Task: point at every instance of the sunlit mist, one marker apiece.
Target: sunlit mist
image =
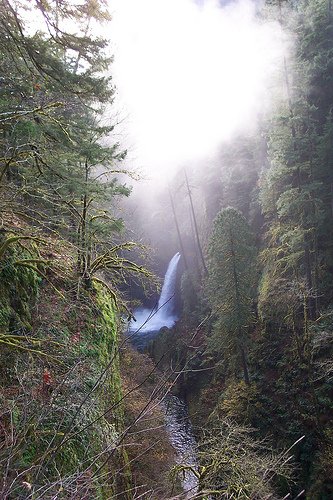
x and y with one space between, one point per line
189 74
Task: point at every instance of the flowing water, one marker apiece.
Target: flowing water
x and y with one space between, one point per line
177 421
149 322
180 430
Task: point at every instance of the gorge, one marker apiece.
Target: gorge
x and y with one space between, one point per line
176 417
231 107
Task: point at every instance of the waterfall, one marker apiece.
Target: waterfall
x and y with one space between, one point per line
166 301
152 321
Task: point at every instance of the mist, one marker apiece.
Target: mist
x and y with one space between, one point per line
191 78
189 75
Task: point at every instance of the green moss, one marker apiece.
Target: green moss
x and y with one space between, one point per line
82 334
4 312
104 336
19 288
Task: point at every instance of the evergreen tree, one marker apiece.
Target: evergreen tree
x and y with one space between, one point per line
295 192
232 271
58 163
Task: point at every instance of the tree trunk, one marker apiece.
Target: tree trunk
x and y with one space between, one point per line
178 230
196 227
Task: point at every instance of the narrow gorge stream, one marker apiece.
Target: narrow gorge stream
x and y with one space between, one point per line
177 421
181 434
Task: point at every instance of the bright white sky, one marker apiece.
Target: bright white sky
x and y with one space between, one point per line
189 74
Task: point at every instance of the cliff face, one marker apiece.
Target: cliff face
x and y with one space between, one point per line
80 415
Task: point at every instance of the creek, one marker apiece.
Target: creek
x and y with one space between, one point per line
181 435
177 421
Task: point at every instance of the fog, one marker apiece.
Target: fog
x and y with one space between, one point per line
188 76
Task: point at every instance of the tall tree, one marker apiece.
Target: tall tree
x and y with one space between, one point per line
232 271
58 161
296 192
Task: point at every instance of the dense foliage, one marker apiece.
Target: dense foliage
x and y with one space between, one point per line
62 427
252 353
264 208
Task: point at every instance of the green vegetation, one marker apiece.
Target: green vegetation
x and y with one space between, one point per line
63 258
255 338
252 352
54 431
231 282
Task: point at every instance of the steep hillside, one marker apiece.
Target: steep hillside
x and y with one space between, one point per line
78 418
60 381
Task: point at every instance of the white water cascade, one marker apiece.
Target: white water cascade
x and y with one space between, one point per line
148 320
